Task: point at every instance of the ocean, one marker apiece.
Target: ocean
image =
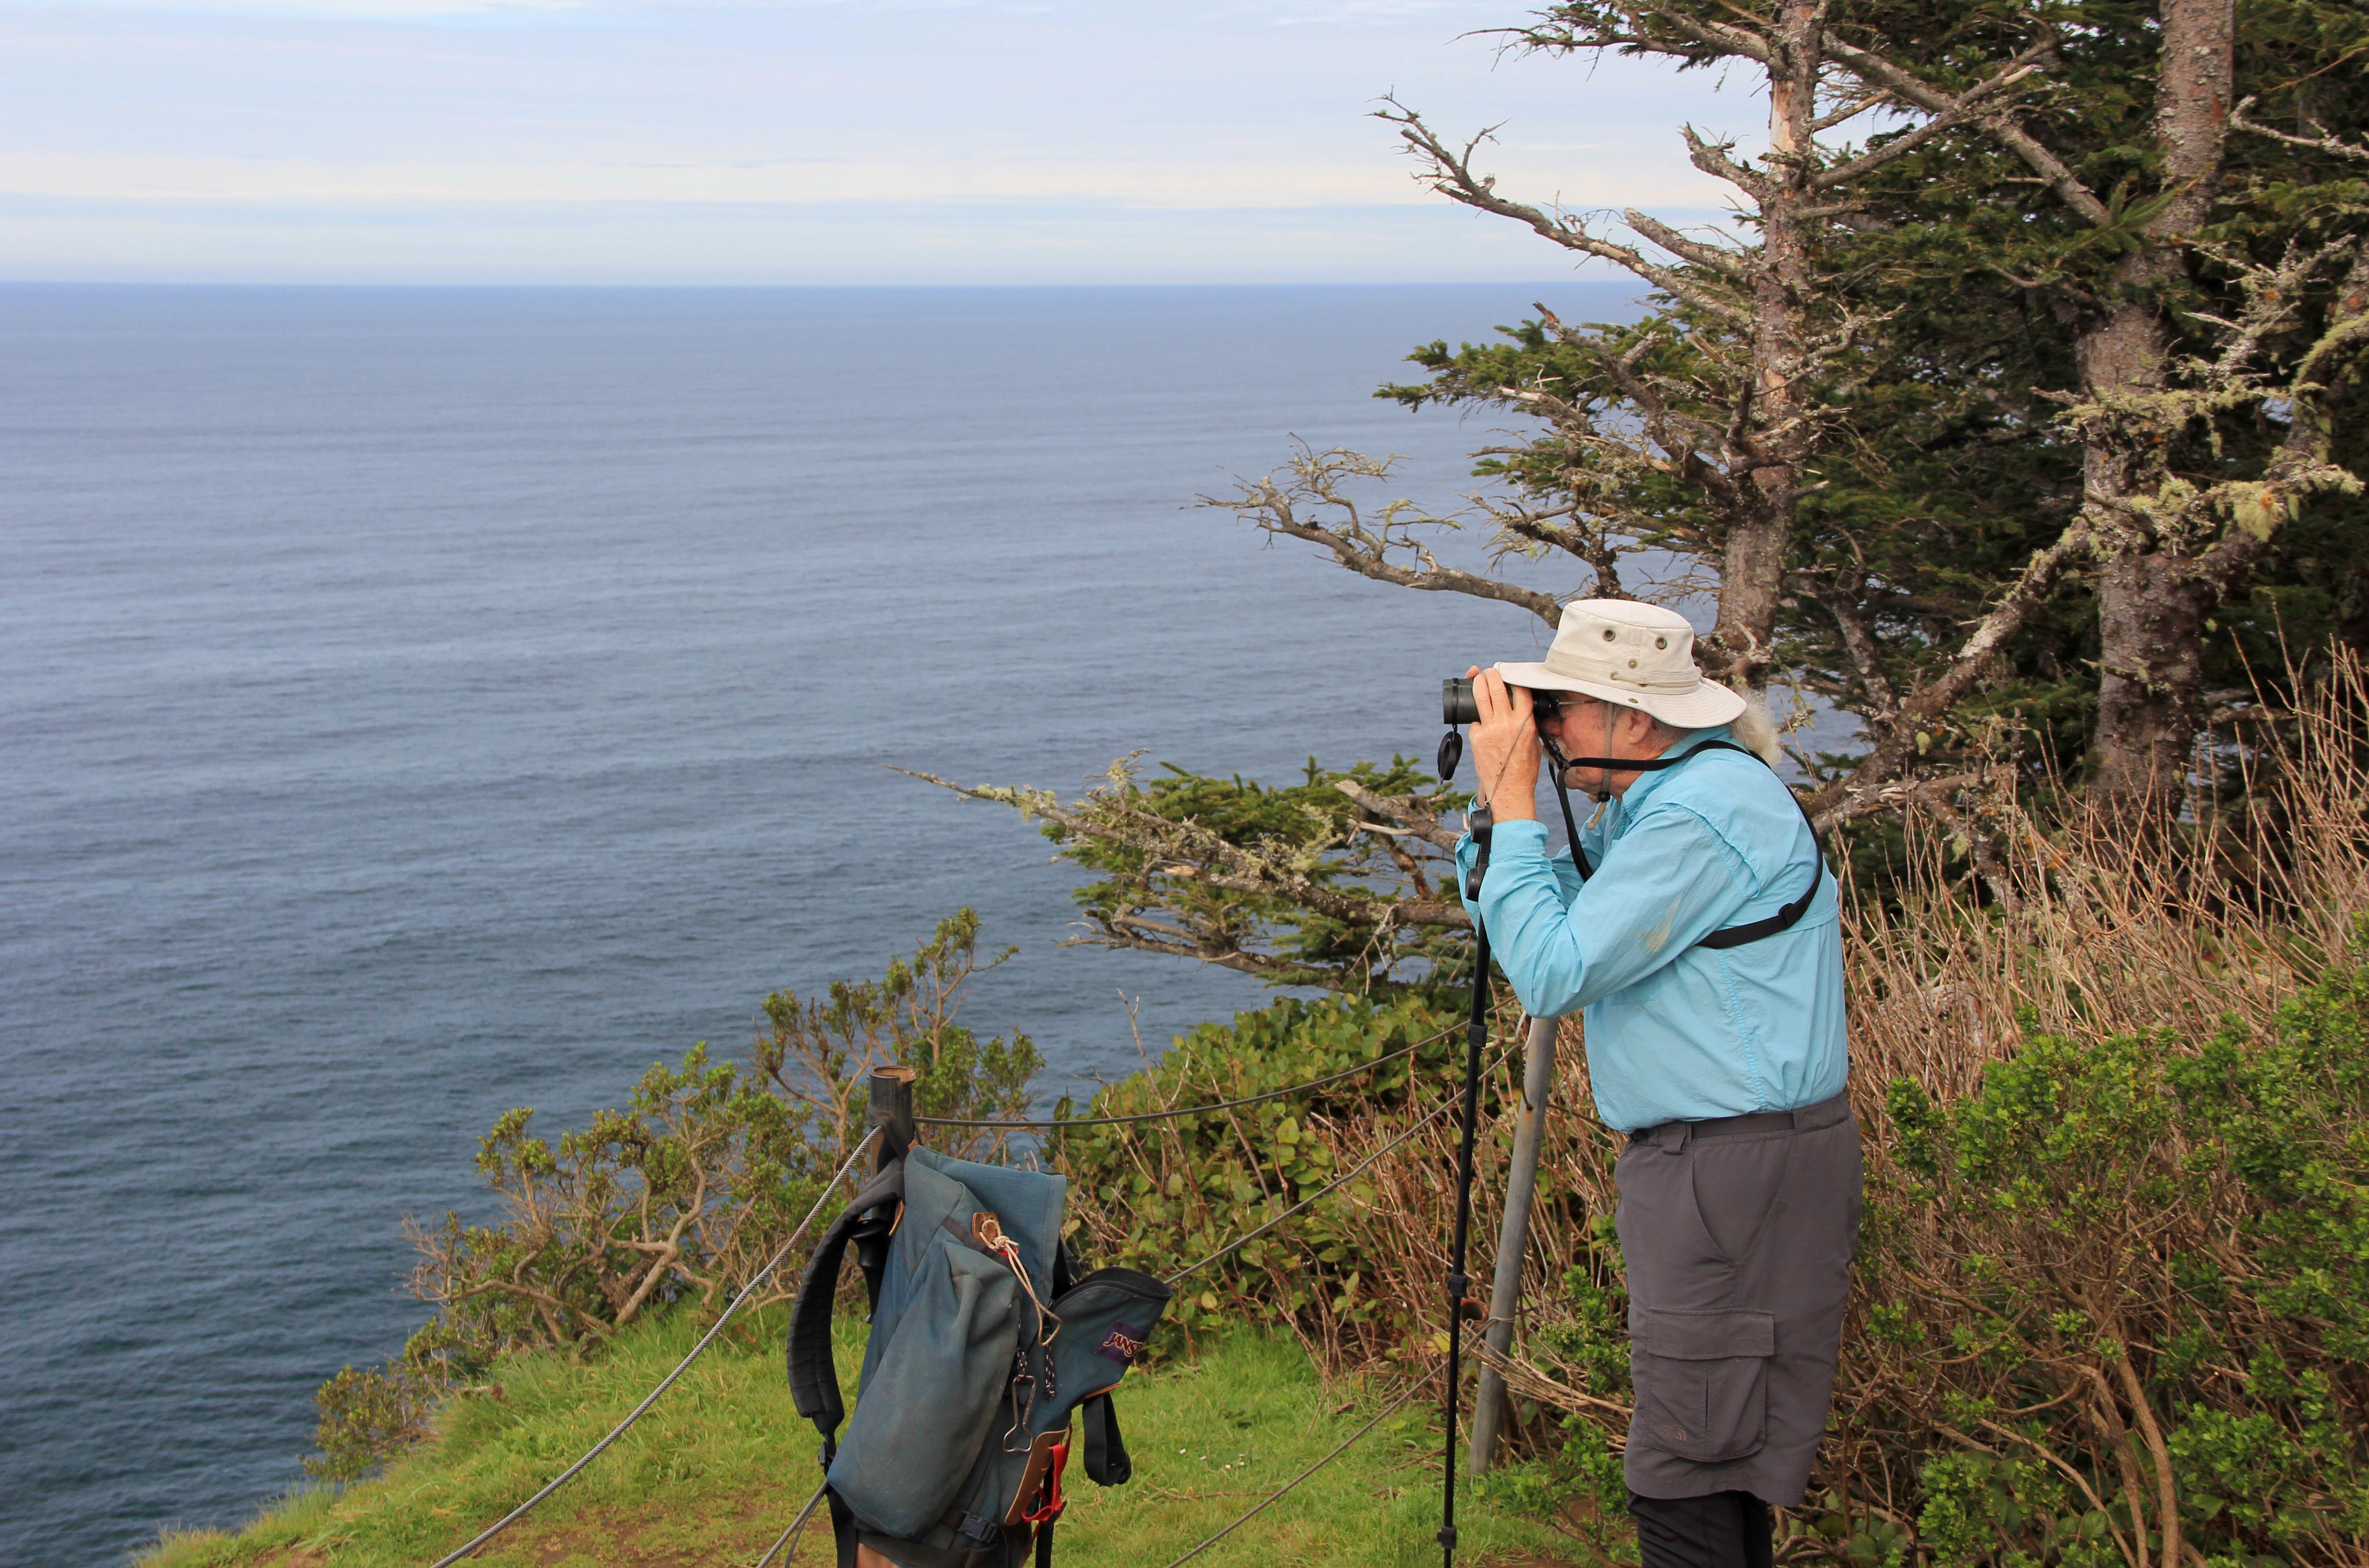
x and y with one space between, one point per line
419 703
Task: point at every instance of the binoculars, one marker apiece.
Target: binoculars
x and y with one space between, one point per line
1455 707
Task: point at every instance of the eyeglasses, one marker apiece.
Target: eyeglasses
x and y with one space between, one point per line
1545 707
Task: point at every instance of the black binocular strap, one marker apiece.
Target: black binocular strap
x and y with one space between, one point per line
1729 936
867 1221
1571 829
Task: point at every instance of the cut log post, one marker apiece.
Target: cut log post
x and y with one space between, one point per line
892 1112
1513 1239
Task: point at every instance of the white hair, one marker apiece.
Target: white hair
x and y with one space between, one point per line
1753 732
1752 729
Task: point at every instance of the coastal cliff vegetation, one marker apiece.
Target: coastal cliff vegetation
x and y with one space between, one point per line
2113 1287
2112 1300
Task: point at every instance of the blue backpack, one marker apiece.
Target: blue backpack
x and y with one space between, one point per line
985 1342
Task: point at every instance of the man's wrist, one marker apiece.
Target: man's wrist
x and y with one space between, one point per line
1516 810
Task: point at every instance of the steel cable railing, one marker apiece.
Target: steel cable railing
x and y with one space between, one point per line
1339 1448
789 1537
1239 1243
564 1477
1194 1110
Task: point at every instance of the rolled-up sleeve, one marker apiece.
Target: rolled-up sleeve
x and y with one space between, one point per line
1662 886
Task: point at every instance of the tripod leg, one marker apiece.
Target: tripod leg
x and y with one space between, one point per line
1513 1240
1459 1284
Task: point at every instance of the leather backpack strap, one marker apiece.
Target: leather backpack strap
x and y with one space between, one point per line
814 1381
1106 1460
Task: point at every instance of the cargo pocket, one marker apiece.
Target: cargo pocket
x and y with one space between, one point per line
1702 1381
923 1418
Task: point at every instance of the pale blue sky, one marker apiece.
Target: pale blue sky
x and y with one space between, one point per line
801 141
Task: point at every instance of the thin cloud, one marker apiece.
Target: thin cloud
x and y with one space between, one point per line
1128 119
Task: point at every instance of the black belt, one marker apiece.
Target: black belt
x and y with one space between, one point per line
1722 1127
1758 1121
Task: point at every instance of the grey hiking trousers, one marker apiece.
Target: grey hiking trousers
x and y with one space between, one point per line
1737 1235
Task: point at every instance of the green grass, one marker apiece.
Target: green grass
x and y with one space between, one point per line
713 1474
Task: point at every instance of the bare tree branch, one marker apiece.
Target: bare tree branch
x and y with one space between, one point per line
1965 107
1860 647
1404 810
2324 141
1896 744
1724 261
2068 186
1450 174
1367 548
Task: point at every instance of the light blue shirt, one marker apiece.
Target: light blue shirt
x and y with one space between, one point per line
1678 1031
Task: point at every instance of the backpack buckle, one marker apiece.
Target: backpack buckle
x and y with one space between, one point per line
1049 1501
1039 1499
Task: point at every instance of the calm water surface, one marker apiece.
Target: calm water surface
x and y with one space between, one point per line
418 704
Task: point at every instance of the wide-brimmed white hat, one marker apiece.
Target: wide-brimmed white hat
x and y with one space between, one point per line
1640 655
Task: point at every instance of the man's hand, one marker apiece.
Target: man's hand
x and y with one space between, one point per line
1505 748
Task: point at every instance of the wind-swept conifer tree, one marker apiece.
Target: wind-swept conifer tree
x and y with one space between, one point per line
2016 400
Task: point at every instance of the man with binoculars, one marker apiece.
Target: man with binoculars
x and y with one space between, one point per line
1696 931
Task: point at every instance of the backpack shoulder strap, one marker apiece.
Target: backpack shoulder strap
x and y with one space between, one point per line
867 1220
1106 1460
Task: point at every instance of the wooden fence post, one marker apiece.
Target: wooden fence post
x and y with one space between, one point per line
891 1110
1513 1239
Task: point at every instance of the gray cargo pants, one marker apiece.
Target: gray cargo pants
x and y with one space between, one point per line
1736 1236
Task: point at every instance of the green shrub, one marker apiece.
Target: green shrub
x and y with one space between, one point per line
367 1417
2128 1280
682 1196
1156 1196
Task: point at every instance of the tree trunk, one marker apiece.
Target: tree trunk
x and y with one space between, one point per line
2151 612
1778 441
2151 604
